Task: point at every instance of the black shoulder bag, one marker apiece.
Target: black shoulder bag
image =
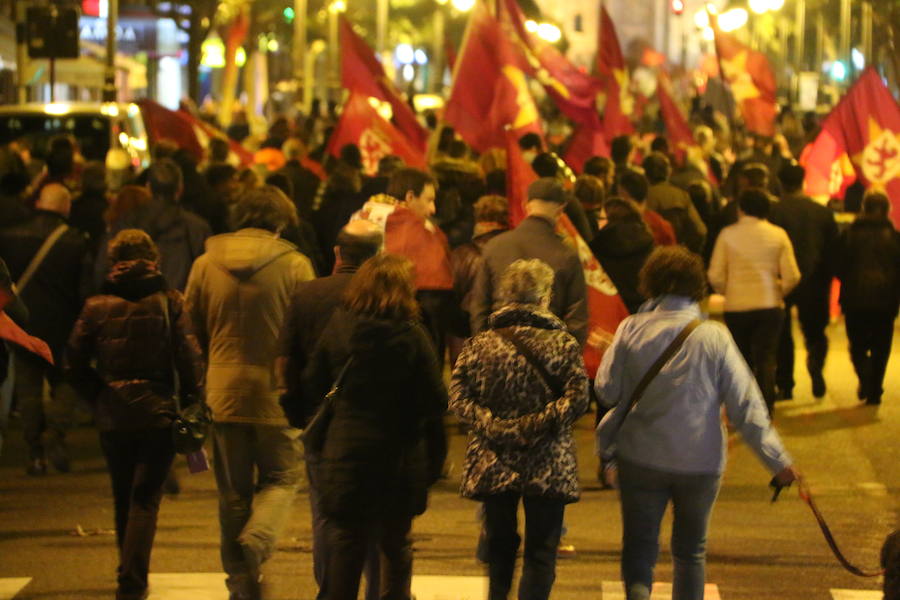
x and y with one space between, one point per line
314 433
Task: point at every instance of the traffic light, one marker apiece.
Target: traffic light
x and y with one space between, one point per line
677 6
288 14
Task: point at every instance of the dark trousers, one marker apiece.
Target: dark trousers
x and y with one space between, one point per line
138 464
870 334
543 527
813 318
320 549
756 334
437 313
349 543
43 419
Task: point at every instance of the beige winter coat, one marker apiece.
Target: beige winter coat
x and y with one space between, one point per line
238 294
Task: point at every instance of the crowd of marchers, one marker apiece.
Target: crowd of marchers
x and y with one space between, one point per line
299 289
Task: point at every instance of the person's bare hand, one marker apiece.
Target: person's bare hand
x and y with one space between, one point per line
787 475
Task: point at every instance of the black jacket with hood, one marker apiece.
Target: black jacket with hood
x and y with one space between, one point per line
622 249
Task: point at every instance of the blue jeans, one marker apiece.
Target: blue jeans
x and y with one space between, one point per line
644 495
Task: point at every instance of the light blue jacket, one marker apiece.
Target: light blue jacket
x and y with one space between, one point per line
676 426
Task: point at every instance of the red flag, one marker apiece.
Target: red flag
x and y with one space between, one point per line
573 90
860 139
187 131
751 80
361 124
519 175
587 141
614 76
677 129
605 307
361 72
489 91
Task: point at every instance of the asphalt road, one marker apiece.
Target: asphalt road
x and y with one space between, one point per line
757 550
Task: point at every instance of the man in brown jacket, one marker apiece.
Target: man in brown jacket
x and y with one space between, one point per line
238 294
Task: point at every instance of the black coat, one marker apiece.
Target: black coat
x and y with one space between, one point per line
813 232
384 446
868 265
311 308
179 234
622 249
56 291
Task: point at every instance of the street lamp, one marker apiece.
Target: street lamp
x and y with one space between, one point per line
463 5
334 67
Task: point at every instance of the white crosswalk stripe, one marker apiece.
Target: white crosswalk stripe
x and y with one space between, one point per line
211 586
440 587
615 590
856 595
10 586
187 586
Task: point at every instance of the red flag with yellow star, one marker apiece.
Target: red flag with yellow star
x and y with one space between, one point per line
860 139
572 89
751 80
361 72
614 76
490 92
361 124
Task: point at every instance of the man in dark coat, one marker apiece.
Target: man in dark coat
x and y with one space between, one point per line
813 233
304 182
673 203
535 237
179 234
868 265
309 313
53 295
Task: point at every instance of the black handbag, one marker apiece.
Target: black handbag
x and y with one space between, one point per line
314 433
191 425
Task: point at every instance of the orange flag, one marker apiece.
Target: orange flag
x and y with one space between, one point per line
860 139
361 72
361 124
605 307
614 76
490 92
751 80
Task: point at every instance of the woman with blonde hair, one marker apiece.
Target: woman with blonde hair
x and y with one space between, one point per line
384 445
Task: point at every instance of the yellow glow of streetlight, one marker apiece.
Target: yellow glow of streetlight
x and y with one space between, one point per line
708 34
338 6
776 4
733 19
701 18
759 6
441 2
463 5
549 32
531 26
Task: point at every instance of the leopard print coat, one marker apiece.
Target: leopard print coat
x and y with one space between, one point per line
520 436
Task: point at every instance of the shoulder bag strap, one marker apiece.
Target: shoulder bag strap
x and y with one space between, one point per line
550 381
656 367
38 258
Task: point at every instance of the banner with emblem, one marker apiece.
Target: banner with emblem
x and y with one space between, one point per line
860 139
376 138
605 307
751 81
490 91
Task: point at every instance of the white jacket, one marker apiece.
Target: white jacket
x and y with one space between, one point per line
753 265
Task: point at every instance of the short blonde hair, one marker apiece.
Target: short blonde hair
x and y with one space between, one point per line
526 281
